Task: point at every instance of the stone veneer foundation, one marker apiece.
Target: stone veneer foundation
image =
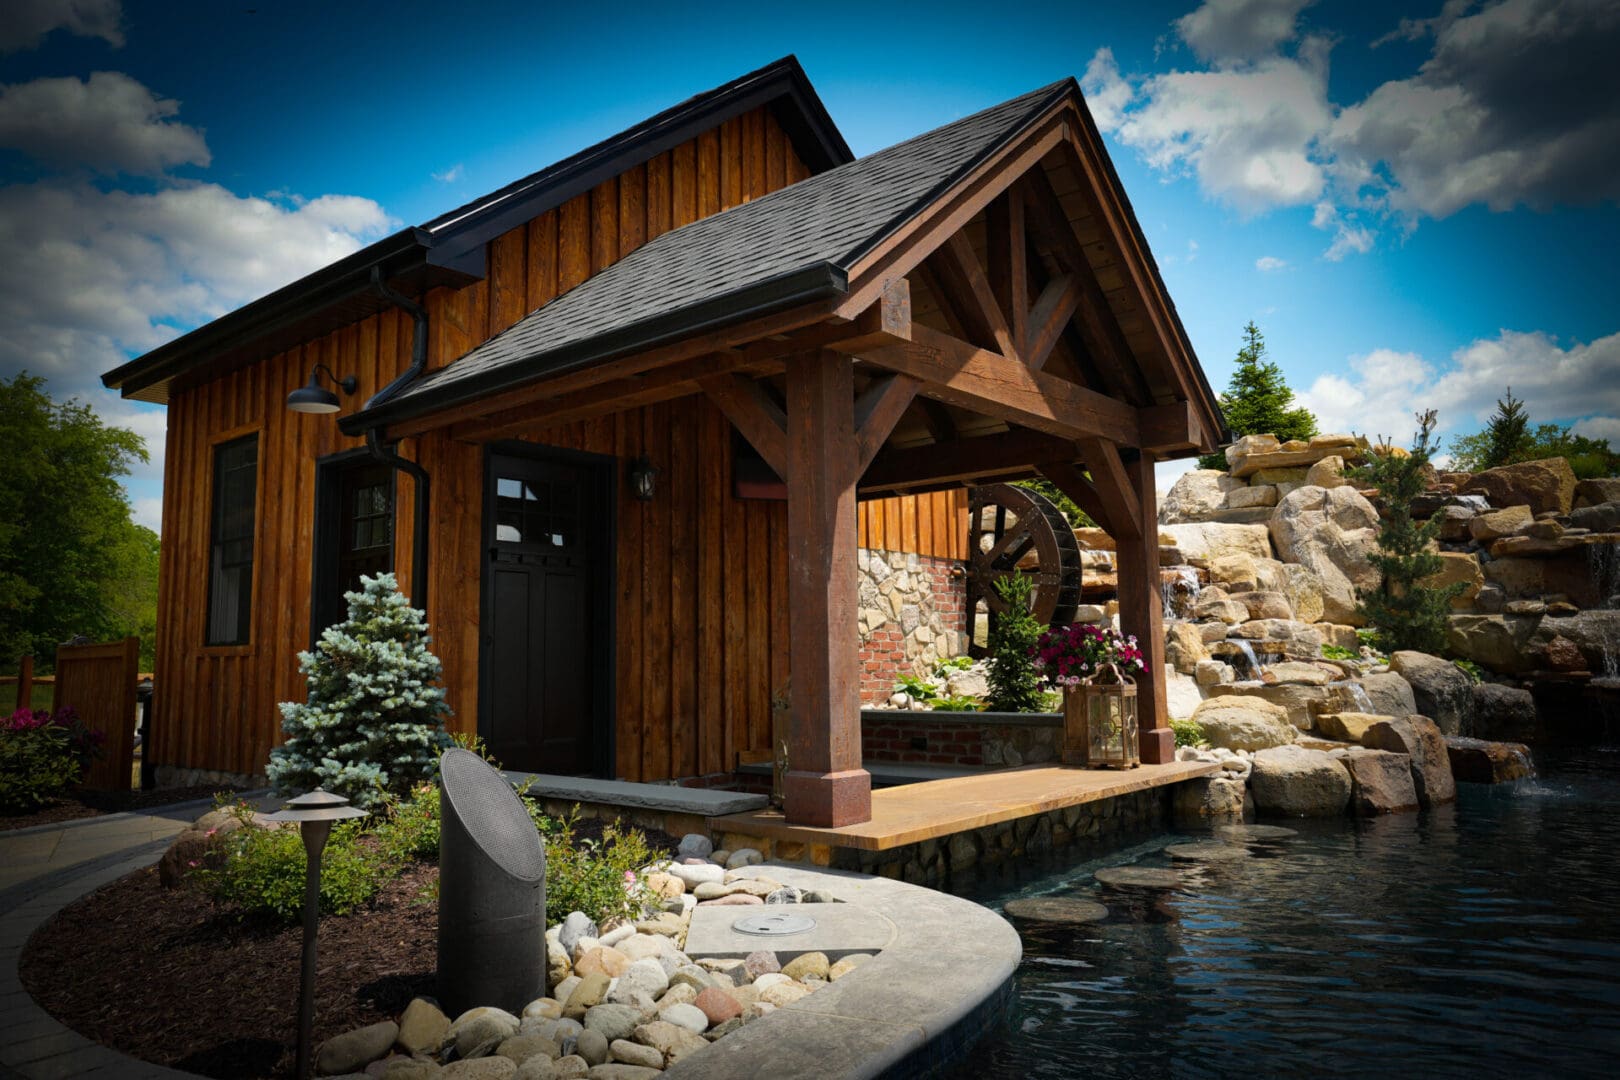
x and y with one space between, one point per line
1088 829
913 612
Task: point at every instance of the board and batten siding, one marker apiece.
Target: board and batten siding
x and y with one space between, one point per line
701 576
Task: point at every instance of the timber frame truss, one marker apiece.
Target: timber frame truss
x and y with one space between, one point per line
1015 327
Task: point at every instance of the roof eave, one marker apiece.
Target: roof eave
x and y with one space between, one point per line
816 282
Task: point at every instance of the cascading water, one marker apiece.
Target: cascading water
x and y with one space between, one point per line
1604 561
1178 588
1247 652
1354 693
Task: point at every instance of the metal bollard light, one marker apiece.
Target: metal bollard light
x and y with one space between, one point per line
314 811
492 890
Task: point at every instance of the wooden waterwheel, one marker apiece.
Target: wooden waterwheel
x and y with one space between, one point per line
1008 525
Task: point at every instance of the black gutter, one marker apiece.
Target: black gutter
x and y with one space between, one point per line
819 281
389 456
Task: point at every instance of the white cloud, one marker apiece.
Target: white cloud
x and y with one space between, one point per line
148 511
1600 427
1269 263
1237 30
1514 106
109 123
1384 388
28 21
93 276
450 175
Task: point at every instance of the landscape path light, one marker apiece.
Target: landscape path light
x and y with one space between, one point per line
314 812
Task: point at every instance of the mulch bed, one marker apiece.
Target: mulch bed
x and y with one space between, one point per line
162 975
85 804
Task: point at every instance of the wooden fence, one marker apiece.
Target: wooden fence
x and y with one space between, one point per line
99 683
932 524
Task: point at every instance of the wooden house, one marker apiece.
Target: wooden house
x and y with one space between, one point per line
611 424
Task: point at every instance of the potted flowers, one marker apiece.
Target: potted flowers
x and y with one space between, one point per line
1095 668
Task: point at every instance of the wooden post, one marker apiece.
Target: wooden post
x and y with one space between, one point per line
825 784
25 683
1141 609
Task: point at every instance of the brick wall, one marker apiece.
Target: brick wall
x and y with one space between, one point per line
910 737
912 613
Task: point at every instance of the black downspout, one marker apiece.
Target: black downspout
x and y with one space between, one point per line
388 455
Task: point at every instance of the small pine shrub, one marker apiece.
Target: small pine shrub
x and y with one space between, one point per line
1406 613
262 873
1014 684
373 723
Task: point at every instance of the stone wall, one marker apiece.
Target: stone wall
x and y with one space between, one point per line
1088 830
912 613
172 776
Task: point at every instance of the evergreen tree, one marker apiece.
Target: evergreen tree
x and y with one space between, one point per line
1405 613
1507 433
373 723
1014 684
1257 400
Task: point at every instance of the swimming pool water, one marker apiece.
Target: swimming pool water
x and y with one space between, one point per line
1478 940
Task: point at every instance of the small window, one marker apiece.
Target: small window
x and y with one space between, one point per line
230 567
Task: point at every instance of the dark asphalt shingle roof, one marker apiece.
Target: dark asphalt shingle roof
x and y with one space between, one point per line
824 223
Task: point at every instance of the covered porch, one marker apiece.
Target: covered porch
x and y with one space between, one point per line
975 305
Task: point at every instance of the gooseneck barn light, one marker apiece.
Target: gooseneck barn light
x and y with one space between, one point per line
315 398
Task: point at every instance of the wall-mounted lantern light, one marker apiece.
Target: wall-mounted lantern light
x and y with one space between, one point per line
643 479
314 398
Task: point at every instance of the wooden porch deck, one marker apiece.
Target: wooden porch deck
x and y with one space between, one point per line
912 813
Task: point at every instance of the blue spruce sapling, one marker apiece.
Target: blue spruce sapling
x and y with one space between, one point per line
374 720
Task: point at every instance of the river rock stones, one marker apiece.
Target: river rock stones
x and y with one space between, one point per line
422 1027
1244 723
1295 782
354 1050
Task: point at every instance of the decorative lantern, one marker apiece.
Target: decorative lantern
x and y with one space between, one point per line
1099 722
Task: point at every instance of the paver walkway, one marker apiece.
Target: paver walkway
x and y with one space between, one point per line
42 870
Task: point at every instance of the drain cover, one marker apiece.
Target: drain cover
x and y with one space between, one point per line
774 925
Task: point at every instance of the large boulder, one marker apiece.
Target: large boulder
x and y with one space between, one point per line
1595 633
1252 454
1244 723
1597 491
1303 587
1420 740
1183 647
1300 703
1390 694
1458 568
1476 761
1547 484
1495 524
1290 635
1210 540
1498 642
1441 690
1503 712
1602 518
1330 531
1296 782
1380 782
1196 494
1347 726
1203 798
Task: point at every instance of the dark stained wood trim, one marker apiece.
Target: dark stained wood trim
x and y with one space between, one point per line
877 410
1070 480
1113 486
755 413
1048 317
1006 252
1141 613
963 460
975 298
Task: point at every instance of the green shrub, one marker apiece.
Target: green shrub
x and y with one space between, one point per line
1188 733
1014 684
262 872
958 703
952 663
41 756
410 828
1339 652
599 877
1471 669
917 687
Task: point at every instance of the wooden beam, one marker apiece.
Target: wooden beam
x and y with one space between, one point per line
958 270
937 418
825 784
1113 486
877 410
1071 480
754 413
963 460
1171 431
663 384
1141 613
1047 319
955 372
543 388
1008 258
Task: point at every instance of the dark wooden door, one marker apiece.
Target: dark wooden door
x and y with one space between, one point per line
544 706
354 532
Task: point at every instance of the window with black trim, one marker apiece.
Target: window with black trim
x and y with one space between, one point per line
230 559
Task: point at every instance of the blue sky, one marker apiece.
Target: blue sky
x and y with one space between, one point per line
1416 202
